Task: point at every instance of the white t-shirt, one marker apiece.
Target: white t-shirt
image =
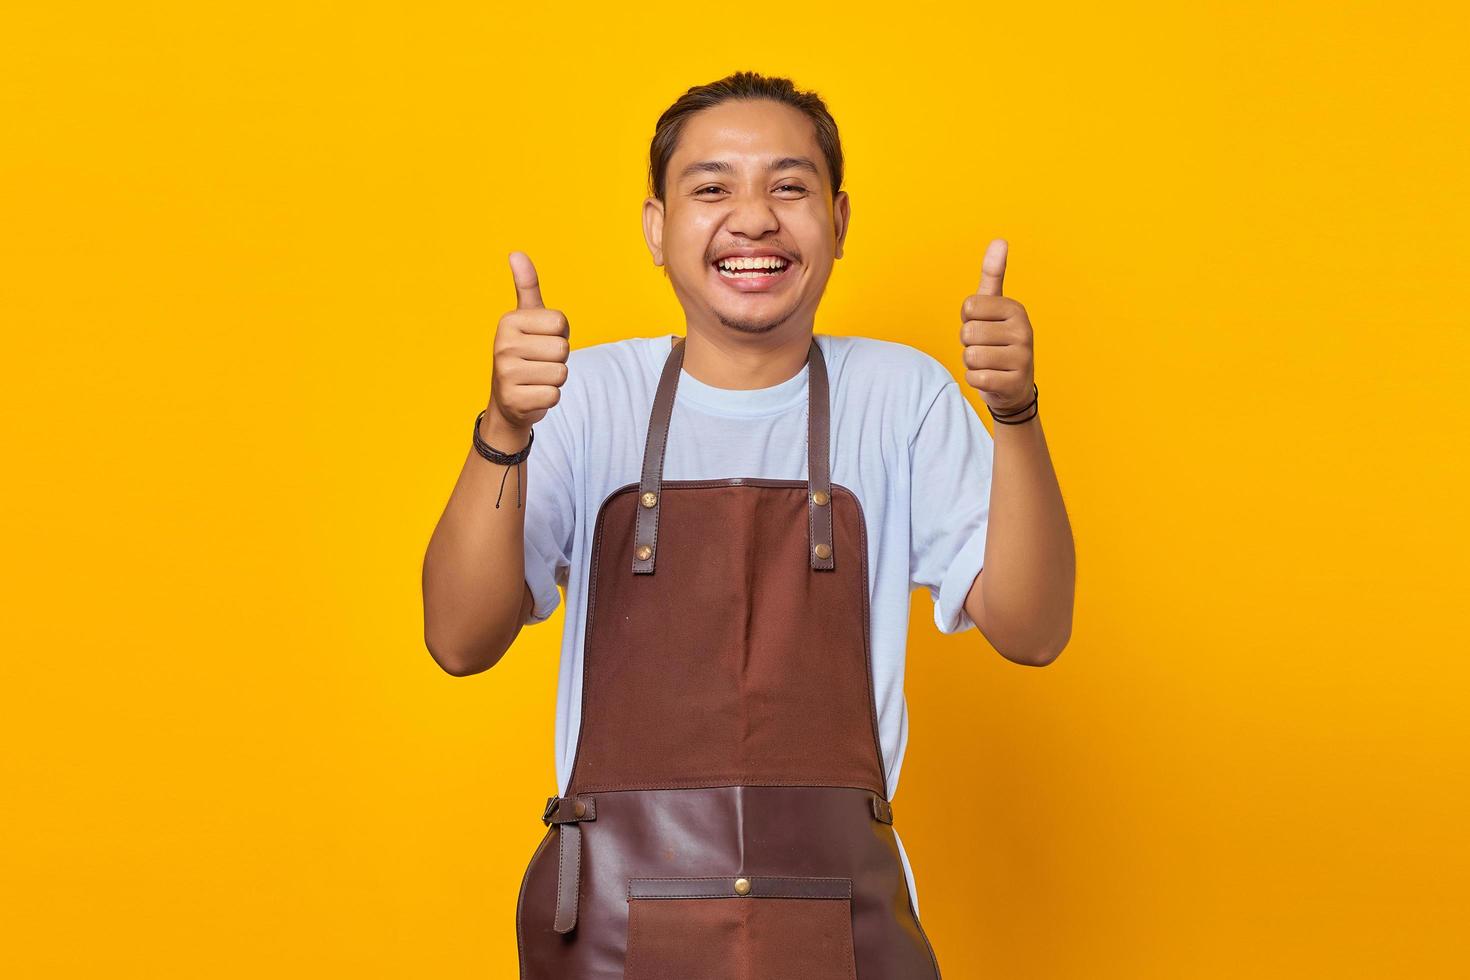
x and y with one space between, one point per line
903 438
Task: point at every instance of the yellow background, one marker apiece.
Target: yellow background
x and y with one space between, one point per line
252 257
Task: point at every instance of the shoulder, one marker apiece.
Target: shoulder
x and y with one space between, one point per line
601 378
895 371
600 373
609 359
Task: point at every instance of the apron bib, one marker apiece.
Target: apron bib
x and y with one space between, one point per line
726 817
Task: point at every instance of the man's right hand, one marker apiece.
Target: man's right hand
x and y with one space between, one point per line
531 348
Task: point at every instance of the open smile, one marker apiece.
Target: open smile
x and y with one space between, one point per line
755 273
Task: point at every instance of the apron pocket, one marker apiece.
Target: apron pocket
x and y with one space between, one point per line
718 928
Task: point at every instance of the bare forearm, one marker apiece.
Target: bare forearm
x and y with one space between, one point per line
1024 595
475 594
474 569
1022 598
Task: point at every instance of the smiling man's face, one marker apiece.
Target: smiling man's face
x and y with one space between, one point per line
748 186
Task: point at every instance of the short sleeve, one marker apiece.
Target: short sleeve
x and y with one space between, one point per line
951 459
550 510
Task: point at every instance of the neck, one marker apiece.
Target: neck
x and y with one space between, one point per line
725 359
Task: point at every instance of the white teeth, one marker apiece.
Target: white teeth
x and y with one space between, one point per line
737 263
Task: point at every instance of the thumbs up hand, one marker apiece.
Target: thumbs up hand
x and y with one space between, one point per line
531 348
997 337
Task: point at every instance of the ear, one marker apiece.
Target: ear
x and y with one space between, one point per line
841 215
653 228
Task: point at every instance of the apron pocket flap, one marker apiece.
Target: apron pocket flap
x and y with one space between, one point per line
731 926
728 886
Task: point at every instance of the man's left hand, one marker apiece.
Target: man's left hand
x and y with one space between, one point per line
996 334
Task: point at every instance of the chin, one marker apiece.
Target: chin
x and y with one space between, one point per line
746 321
749 326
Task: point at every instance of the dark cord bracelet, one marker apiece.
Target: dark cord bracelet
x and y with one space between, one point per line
503 459
1009 418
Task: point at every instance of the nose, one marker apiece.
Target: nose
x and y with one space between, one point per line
751 216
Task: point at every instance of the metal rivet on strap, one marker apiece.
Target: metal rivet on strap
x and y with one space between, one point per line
580 808
649 499
644 553
823 550
820 498
742 886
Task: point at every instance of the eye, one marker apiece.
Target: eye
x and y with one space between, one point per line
713 188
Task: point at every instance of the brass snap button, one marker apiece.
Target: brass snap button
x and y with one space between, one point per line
580 808
644 553
742 886
649 499
820 498
823 551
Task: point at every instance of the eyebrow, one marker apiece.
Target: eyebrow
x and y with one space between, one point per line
722 167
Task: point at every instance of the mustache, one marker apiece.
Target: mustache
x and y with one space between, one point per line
711 254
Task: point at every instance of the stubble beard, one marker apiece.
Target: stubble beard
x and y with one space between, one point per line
753 326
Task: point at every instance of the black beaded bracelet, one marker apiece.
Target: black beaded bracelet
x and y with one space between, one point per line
503 459
1009 418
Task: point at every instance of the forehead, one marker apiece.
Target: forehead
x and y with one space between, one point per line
747 134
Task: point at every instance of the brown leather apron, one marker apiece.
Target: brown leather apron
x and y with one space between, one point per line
726 817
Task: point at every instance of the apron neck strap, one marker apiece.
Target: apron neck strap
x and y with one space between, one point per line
818 488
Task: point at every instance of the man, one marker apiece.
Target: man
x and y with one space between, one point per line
738 517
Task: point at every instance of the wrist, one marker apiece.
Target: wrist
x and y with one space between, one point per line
1019 414
501 434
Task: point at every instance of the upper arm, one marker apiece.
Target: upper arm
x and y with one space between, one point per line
551 507
951 457
528 602
975 604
